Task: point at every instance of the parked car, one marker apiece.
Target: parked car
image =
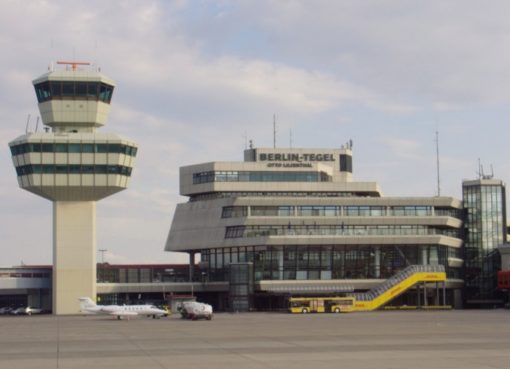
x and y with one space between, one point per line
18 311
26 311
5 310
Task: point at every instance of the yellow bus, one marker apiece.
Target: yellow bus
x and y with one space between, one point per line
304 305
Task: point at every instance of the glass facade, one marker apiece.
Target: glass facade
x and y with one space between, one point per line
24 170
246 176
68 90
325 262
62 147
485 230
337 210
249 231
221 195
107 273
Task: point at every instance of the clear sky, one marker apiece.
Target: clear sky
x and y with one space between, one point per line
196 79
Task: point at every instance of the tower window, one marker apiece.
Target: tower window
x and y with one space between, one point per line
50 90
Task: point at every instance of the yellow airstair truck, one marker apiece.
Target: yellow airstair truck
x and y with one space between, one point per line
413 275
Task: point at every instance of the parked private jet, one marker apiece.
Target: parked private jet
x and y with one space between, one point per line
89 307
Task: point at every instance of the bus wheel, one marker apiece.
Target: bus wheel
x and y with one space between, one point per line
337 310
304 311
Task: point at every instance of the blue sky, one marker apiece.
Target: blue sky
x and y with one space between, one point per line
195 78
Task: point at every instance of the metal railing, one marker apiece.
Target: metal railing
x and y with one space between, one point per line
396 279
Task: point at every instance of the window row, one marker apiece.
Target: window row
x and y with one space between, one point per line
334 210
338 230
73 89
325 262
37 147
73 169
222 195
246 176
142 275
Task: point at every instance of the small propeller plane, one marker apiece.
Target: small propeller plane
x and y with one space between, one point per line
88 306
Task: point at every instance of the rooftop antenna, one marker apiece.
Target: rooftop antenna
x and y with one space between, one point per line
274 131
251 144
94 61
37 124
28 121
290 138
73 64
437 164
50 67
480 169
245 136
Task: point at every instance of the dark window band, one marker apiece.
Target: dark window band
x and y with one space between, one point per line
73 148
338 230
73 169
258 176
70 90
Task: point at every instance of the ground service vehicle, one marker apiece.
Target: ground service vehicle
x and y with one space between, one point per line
305 305
195 310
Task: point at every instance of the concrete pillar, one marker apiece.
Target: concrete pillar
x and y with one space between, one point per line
424 258
280 264
377 262
457 299
191 266
74 254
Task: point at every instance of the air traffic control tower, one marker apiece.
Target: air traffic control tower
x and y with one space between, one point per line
72 165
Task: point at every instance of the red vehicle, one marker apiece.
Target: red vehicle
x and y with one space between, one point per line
504 280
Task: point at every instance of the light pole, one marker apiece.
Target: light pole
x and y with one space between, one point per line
102 251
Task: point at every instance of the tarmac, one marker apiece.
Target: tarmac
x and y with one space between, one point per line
385 339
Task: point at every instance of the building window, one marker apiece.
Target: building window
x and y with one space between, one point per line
50 90
60 147
73 169
234 211
245 176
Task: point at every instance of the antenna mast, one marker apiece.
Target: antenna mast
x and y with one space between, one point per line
274 131
437 164
28 121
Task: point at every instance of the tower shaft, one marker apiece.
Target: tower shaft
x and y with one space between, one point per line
74 254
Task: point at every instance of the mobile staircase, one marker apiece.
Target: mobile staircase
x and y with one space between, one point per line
398 284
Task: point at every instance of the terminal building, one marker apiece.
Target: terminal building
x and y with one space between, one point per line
283 222
301 224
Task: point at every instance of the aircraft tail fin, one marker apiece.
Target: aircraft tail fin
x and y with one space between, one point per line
86 302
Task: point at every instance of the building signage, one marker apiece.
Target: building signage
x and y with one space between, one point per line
299 158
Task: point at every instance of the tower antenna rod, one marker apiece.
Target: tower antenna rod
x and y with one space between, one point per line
437 164
28 121
274 131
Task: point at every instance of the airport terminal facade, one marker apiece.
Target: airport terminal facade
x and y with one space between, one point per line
305 226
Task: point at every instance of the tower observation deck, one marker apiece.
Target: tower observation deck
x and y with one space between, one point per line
73 166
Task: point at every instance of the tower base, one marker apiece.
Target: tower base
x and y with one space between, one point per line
74 254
